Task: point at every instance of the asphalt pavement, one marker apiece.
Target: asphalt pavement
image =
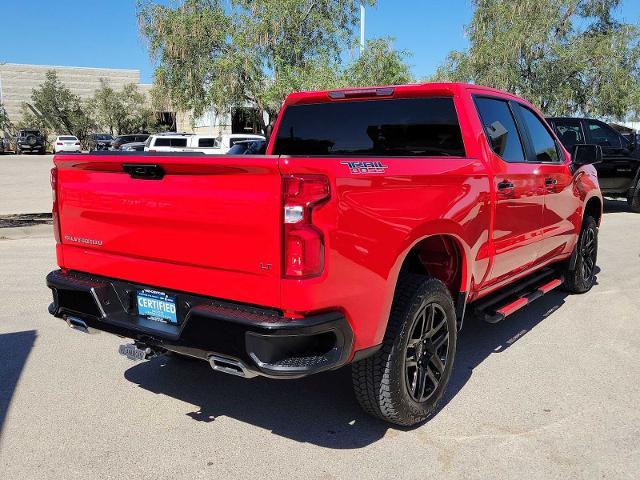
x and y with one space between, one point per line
24 183
552 392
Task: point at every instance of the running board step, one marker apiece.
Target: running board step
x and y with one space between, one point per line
516 300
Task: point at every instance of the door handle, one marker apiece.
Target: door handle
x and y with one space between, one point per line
144 171
506 187
550 183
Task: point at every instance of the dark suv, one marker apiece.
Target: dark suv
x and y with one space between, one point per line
619 172
100 141
30 140
122 139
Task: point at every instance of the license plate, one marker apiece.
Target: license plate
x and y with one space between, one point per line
132 352
157 306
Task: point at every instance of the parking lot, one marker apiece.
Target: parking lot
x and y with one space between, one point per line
552 392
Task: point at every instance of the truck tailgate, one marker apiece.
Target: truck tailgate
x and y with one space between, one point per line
209 225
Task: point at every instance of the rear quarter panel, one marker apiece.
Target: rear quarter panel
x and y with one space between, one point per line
372 220
370 224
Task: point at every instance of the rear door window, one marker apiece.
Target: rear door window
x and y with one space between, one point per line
500 128
544 146
570 132
391 128
603 135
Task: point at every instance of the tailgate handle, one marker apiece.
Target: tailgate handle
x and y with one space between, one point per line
144 171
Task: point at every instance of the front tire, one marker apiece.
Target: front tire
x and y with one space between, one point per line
405 380
634 200
583 276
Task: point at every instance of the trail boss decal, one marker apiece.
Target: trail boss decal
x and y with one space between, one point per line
365 167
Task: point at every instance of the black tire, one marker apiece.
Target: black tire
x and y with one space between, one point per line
583 276
387 384
634 200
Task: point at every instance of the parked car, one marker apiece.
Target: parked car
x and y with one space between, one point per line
377 219
30 140
133 147
120 140
229 140
619 171
66 143
188 142
100 141
248 147
167 142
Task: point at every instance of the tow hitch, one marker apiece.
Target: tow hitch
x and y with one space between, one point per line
138 351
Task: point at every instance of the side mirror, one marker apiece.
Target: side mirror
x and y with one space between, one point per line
586 155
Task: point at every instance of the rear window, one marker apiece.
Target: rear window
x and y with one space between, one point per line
68 138
170 142
391 128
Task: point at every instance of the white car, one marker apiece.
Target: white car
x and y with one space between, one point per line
188 142
66 143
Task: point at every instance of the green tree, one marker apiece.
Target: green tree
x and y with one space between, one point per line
379 64
124 111
229 54
4 118
566 56
55 110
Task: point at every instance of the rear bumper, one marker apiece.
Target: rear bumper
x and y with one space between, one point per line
30 147
262 340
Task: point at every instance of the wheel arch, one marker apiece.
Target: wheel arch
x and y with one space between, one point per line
443 256
593 207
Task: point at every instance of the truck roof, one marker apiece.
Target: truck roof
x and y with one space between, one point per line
396 91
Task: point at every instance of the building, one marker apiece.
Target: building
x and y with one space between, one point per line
241 120
18 81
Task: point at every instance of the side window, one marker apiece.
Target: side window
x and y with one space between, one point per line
178 142
162 142
603 135
544 145
206 142
570 133
500 128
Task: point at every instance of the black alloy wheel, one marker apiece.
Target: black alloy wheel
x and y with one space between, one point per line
427 352
589 253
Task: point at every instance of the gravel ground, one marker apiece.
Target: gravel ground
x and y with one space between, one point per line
552 392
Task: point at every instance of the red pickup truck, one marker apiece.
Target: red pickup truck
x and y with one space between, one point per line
376 219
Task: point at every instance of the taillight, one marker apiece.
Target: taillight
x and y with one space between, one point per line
55 218
77 143
58 143
303 242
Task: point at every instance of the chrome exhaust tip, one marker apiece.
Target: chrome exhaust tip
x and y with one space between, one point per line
230 366
80 325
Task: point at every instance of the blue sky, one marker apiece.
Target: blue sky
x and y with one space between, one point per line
104 33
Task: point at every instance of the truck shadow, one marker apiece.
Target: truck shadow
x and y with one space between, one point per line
478 339
321 409
14 351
